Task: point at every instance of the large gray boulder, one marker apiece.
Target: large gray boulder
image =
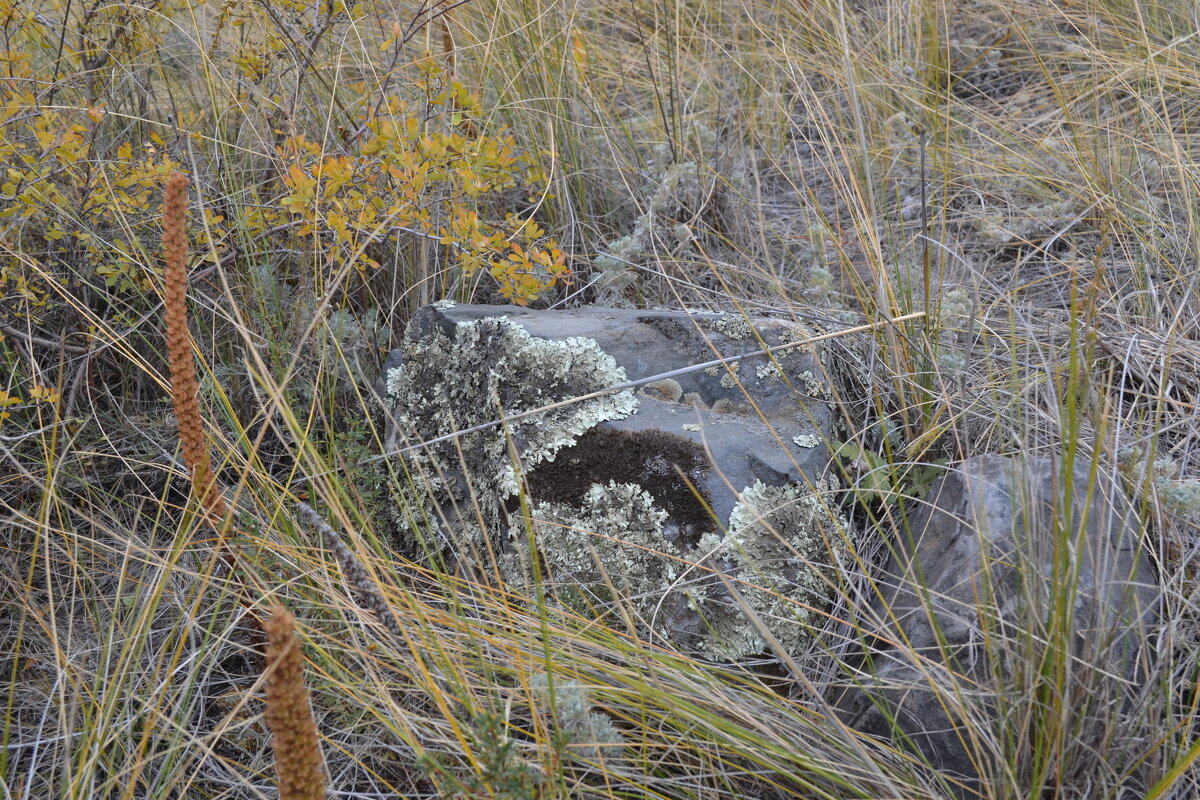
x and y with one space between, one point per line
967 605
694 496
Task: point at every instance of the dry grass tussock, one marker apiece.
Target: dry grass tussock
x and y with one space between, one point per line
1023 174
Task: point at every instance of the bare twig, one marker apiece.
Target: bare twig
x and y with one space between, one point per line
620 387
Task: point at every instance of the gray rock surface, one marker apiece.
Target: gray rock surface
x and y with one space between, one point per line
970 593
660 489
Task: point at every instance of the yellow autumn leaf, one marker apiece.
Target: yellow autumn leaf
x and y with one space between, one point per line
44 394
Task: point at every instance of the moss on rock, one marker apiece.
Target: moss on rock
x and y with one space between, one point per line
667 466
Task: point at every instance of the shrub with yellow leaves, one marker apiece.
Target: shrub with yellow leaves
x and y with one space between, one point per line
364 171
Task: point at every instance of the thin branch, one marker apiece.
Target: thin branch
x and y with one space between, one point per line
620 387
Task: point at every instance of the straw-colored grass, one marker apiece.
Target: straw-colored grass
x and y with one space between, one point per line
1023 174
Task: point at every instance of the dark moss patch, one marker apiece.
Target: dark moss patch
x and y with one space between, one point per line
671 329
651 459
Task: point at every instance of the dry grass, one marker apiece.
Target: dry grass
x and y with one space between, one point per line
1024 173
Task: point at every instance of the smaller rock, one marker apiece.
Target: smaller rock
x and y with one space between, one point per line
976 581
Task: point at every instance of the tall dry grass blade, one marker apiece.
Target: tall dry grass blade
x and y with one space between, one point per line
298 762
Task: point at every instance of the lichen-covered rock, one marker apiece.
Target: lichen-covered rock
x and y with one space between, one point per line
461 377
775 538
615 526
691 496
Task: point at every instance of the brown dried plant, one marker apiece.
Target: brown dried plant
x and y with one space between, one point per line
355 572
298 762
184 388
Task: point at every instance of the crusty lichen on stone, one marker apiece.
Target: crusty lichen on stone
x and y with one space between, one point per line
734 326
813 386
483 370
618 524
769 369
729 376
780 540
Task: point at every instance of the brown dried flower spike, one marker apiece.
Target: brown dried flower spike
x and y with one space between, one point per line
184 388
298 761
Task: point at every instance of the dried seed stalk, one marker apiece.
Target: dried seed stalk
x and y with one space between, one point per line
185 391
355 572
298 762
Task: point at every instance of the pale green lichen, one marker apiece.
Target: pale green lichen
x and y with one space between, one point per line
954 303
592 735
732 325
780 542
1176 494
813 386
768 370
620 526
806 440
951 362
494 367
690 426
1180 497
1029 225
665 198
798 332
729 376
